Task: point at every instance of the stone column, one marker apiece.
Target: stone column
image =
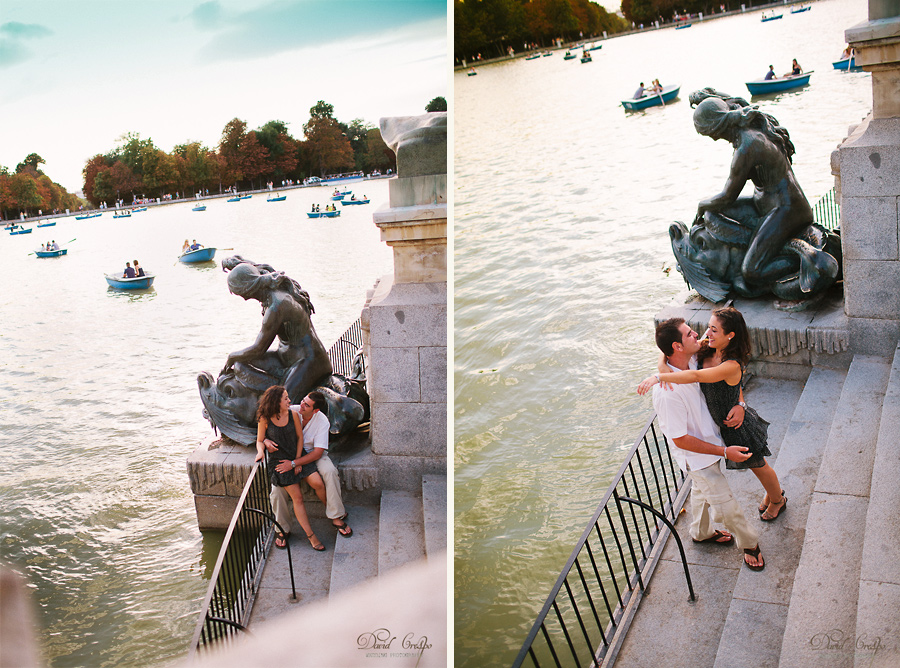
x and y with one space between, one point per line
405 318
868 163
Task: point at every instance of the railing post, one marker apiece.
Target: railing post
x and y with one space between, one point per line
287 543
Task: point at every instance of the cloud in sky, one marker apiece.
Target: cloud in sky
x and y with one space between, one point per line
285 25
12 33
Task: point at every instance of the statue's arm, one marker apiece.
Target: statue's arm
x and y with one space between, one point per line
272 320
741 169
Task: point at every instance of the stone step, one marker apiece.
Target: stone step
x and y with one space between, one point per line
434 504
401 538
877 626
356 557
694 639
821 618
759 603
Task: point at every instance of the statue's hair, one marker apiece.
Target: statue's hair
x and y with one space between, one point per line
270 403
244 277
715 112
667 333
738 348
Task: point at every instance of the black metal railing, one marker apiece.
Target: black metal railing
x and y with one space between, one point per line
590 607
827 211
235 579
347 350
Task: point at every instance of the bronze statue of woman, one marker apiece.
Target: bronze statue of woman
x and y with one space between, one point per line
778 210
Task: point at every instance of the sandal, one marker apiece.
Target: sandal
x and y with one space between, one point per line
343 528
717 538
280 537
766 517
755 554
318 547
765 503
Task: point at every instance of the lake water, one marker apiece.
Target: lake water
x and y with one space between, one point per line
562 205
99 406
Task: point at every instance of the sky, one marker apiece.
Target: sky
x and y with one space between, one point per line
77 75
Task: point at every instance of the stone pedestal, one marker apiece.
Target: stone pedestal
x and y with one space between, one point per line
868 166
404 321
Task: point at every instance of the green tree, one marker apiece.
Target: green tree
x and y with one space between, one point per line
233 136
25 191
437 104
322 110
33 161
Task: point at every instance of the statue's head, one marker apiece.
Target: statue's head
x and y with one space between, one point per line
246 281
230 404
711 117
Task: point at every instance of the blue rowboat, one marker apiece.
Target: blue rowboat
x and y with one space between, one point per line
89 215
338 198
683 26
533 56
119 282
569 56
848 64
547 53
668 94
199 255
331 214
47 224
56 253
763 87
314 214
354 201
200 207
22 231
471 74
771 18
277 199
594 48
122 214
233 199
586 58
801 9
139 209
246 196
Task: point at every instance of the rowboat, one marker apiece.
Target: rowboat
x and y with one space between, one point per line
55 253
199 255
771 18
354 201
199 207
683 26
569 56
122 214
315 214
331 214
139 209
533 56
668 94
471 73
246 196
22 231
547 53
337 198
594 47
89 215
277 199
47 224
763 87
119 282
233 199
586 58
801 9
848 64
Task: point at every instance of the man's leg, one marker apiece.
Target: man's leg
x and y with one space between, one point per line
282 507
334 505
717 492
700 515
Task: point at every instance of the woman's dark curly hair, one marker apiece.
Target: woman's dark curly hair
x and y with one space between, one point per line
738 348
270 403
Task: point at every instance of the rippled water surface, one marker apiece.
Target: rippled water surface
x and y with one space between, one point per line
99 406
562 205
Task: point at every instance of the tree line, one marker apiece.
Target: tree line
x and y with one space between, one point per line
28 190
490 27
645 12
243 158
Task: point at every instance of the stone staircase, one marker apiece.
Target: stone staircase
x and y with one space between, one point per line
830 593
401 528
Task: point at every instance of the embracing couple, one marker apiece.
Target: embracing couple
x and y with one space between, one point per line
698 398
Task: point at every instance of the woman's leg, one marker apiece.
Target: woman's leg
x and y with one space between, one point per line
300 512
769 479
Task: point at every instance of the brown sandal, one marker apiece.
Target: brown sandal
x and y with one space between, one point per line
318 547
755 554
716 538
765 517
280 537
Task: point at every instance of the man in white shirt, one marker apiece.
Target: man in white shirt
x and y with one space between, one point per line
315 446
698 449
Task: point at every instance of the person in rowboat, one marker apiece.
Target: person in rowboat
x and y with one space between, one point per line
129 271
639 93
186 247
138 270
771 73
795 69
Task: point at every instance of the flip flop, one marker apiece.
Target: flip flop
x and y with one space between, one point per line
280 537
343 528
715 538
755 554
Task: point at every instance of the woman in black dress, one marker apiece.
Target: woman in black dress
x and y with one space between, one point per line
720 369
279 427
